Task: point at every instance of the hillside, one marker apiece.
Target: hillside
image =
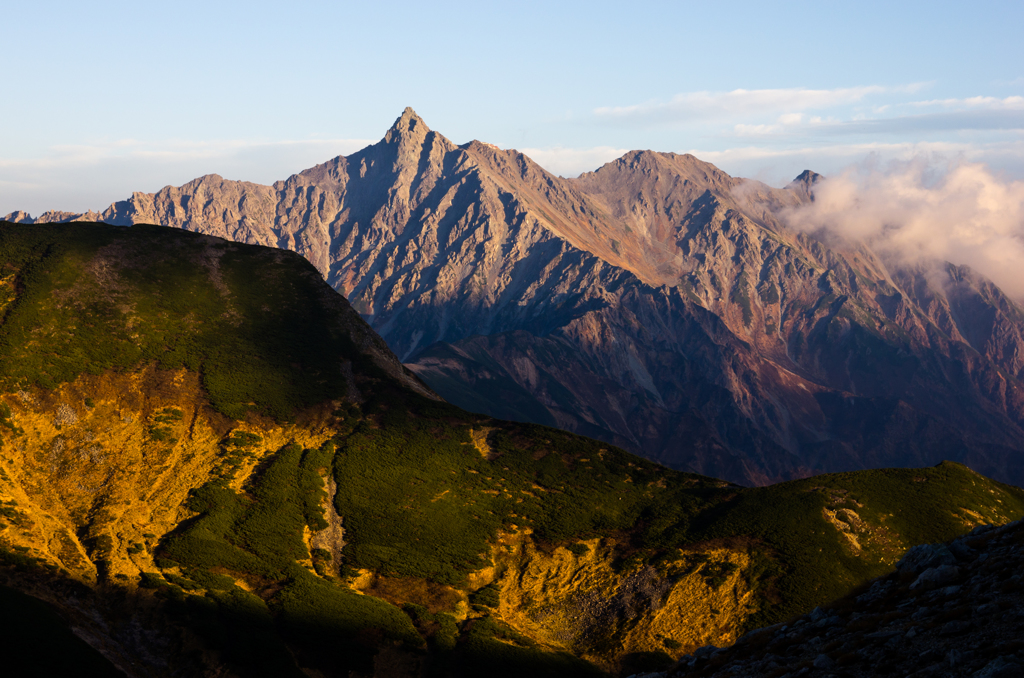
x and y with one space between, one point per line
657 303
954 609
211 465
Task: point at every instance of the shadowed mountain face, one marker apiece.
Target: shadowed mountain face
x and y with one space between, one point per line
656 303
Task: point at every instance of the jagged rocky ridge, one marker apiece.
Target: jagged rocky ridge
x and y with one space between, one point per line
656 303
951 610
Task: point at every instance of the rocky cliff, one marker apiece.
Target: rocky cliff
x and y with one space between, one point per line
656 303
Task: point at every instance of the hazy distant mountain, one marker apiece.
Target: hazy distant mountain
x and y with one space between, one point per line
657 303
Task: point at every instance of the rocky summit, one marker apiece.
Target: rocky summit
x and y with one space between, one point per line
657 303
953 609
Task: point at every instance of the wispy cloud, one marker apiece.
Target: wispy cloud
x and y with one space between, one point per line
791 113
785 123
995 119
1011 103
845 152
571 162
737 103
1002 119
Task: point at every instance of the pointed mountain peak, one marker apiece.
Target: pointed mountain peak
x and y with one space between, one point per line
409 124
807 178
804 183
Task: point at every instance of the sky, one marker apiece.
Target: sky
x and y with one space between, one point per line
106 98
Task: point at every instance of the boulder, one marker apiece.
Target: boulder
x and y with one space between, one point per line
925 556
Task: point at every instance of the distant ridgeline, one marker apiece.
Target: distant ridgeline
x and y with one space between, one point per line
210 463
657 304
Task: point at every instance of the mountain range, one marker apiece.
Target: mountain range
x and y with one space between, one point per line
210 465
657 304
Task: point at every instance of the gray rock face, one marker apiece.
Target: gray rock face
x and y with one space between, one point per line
925 556
657 303
936 576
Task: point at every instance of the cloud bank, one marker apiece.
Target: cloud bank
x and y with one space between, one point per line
921 212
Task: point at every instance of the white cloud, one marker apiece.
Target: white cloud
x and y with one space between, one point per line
742 130
571 162
787 113
924 211
844 152
776 165
1012 103
785 123
743 102
980 119
955 115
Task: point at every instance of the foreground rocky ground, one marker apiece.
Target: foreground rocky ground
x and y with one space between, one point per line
954 609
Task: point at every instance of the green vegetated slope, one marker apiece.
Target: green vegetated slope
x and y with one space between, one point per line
470 546
422 504
91 297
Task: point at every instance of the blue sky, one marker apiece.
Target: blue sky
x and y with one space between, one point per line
105 98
